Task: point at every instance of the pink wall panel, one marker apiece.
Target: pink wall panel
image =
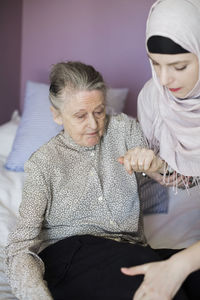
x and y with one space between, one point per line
108 34
10 48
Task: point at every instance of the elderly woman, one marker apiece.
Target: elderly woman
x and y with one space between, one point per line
80 218
169 113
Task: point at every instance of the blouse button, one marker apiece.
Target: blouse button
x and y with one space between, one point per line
91 173
100 199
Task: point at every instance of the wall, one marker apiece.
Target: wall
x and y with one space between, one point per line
37 33
10 53
109 34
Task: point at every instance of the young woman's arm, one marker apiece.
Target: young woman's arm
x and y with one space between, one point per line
163 279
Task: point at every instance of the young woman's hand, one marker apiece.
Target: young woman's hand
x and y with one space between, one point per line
162 279
141 160
170 180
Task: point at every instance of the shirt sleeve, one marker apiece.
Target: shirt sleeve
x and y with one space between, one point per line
24 267
134 135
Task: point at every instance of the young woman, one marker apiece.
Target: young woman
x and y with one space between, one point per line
169 113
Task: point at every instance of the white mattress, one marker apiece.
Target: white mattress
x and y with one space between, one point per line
180 227
10 195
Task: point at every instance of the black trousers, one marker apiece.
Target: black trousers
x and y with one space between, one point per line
88 267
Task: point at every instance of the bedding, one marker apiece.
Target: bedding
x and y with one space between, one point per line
7 133
177 229
10 196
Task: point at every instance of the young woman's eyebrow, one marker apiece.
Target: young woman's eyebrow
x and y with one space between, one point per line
171 64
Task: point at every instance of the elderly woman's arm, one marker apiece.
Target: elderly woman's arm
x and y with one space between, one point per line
24 268
163 279
26 278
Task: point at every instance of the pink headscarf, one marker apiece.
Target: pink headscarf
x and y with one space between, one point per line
172 125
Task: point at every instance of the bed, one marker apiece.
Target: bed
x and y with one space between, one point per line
178 228
10 196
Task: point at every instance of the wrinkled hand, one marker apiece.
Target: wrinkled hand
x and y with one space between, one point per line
141 160
162 280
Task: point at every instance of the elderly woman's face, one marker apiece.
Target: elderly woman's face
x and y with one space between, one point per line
83 117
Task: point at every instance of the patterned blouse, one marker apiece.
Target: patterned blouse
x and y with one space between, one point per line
74 190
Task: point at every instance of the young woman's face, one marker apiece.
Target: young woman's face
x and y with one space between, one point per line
177 72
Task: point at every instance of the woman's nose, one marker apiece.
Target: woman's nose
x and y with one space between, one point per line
165 77
92 123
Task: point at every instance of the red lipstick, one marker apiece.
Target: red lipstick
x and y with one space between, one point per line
175 90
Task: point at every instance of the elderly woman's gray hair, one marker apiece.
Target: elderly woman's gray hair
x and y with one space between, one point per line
70 77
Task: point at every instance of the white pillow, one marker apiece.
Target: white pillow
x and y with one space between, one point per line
37 126
7 134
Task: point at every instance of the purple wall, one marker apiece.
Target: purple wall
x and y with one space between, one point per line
10 52
106 33
38 33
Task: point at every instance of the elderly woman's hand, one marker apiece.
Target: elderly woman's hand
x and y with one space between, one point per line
141 160
162 279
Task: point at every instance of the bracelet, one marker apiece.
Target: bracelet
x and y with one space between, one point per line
168 173
144 174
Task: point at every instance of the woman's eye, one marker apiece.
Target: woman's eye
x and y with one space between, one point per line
99 113
155 63
81 116
180 68
156 66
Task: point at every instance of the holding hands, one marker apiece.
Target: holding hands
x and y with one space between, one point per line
141 160
145 160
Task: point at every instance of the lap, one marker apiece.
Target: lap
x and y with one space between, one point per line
88 267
